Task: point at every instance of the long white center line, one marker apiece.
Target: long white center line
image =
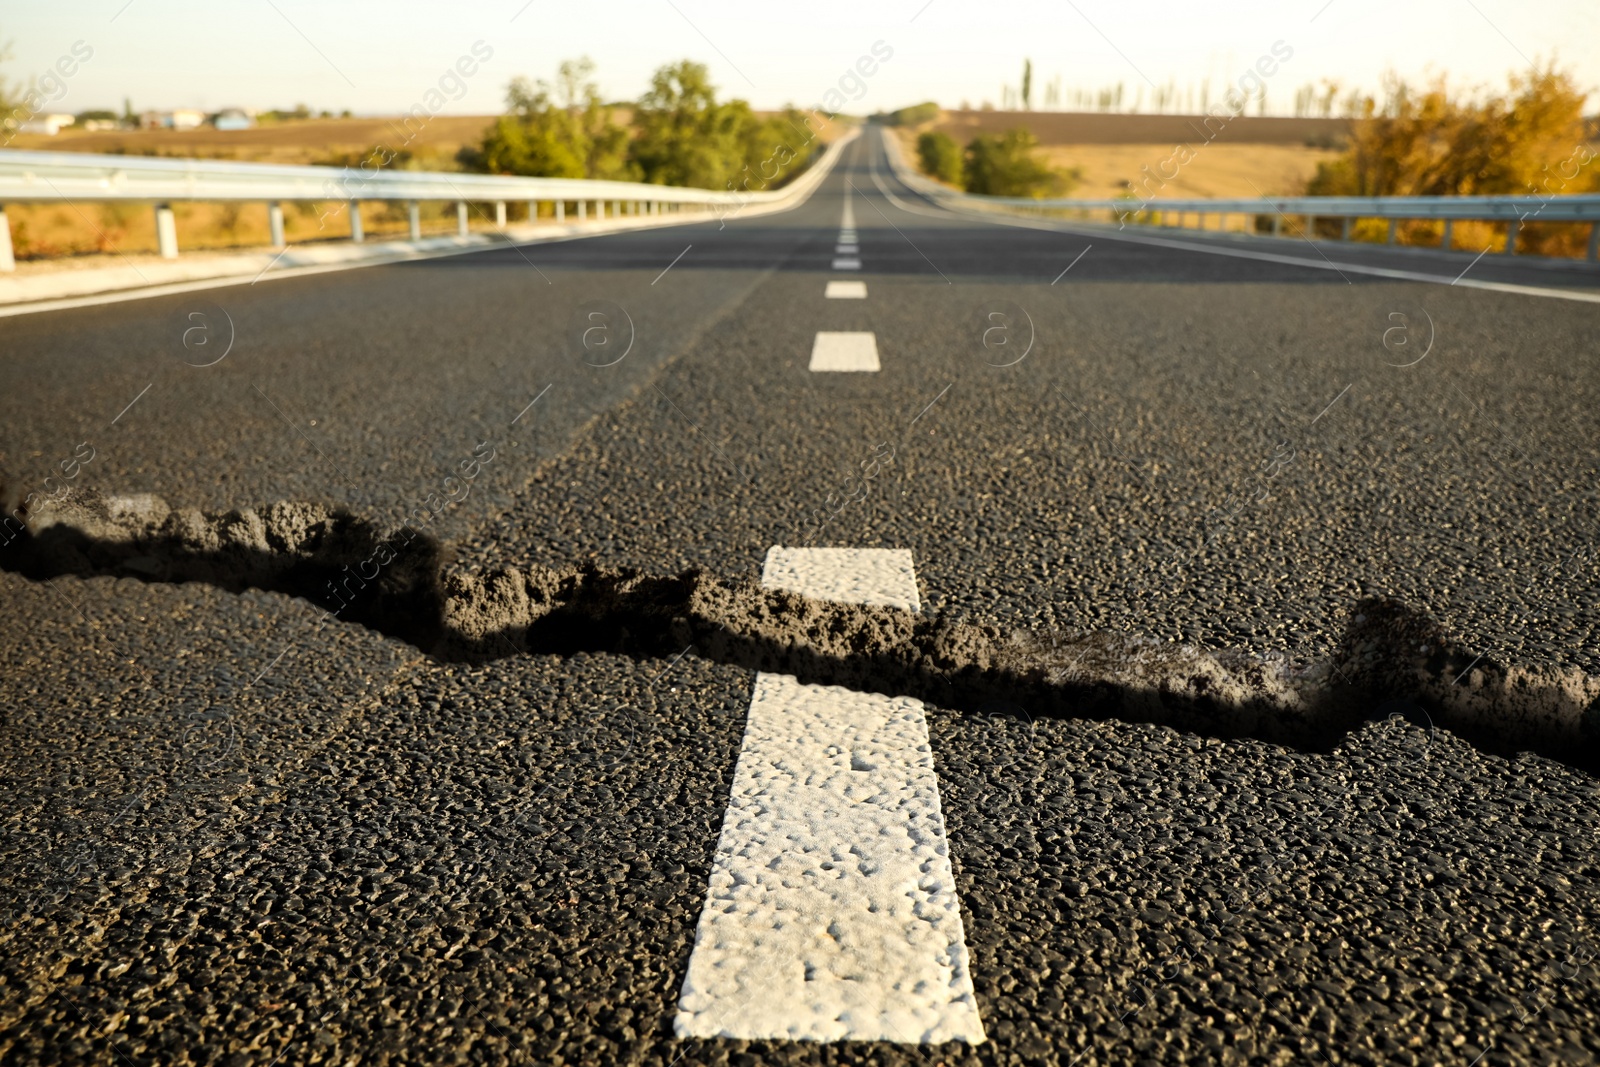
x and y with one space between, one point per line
847 250
832 912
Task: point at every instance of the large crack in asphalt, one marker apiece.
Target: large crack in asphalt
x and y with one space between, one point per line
1392 659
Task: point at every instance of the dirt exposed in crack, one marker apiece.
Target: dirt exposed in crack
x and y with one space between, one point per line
406 585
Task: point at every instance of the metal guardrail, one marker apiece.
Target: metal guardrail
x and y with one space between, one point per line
30 177
1512 210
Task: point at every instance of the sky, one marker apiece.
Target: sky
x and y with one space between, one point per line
383 58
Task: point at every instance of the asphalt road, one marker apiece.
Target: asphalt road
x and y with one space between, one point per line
233 835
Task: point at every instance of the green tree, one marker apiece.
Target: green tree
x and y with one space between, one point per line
681 135
940 156
554 130
1005 165
685 137
775 149
1027 85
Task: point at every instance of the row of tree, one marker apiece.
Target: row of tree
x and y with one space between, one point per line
677 133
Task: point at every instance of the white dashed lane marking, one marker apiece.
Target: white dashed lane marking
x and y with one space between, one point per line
847 249
847 264
832 912
846 291
840 351
877 577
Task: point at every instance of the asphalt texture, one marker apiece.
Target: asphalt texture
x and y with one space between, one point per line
238 832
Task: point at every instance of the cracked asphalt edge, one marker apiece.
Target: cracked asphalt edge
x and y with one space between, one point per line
1392 659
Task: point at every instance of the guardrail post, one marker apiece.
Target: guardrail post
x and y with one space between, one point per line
357 234
166 231
500 213
1511 236
8 262
275 224
1394 224
1277 224
414 215
1449 229
561 211
1594 240
1344 228
461 218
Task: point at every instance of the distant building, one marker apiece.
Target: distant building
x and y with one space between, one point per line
233 118
49 125
183 118
101 124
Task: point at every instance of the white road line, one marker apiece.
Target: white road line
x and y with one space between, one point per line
832 912
846 291
847 264
847 248
845 351
880 577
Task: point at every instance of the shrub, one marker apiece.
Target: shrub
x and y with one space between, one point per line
1432 142
940 157
1004 165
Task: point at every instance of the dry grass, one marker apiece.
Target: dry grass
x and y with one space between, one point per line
435 140
1223 170
1084 128
1217 171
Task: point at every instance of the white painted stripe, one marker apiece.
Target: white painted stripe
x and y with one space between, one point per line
847 264
832 912
845 351
847 249
881 577
846 291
